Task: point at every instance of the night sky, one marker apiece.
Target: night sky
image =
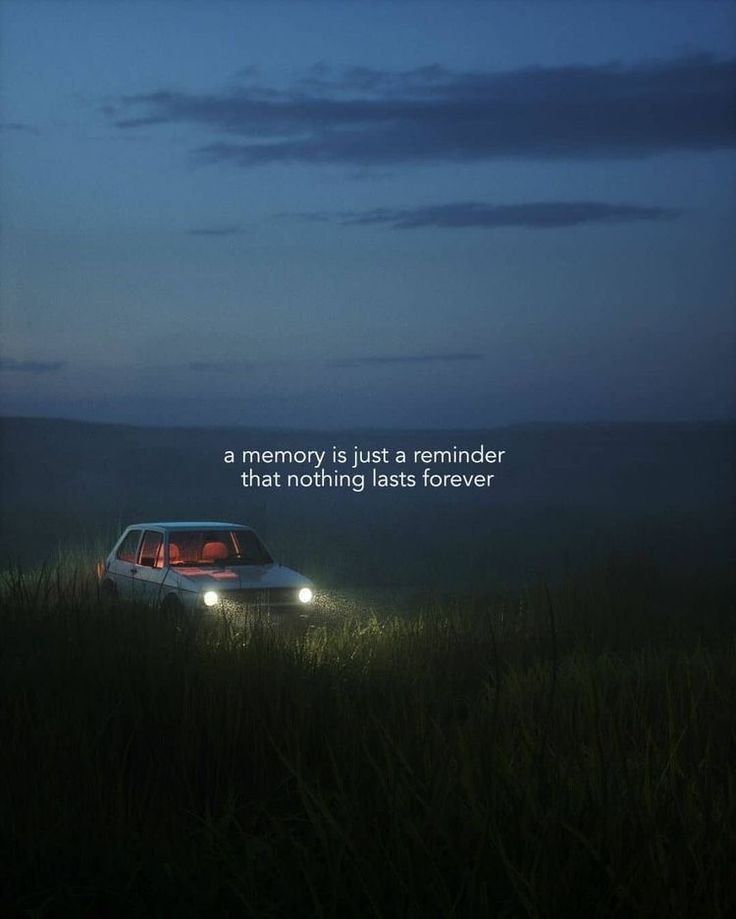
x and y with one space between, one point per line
338 215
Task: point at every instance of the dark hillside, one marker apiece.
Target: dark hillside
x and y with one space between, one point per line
564 495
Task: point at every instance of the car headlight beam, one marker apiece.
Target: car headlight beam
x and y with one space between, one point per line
210 597
306 595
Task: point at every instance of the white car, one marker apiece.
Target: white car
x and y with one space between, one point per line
201 566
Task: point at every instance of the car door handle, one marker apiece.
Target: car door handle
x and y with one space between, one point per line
133 570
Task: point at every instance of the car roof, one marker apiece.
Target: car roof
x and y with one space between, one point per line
188 525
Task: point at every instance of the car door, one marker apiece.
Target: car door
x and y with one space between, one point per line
150 570
123 569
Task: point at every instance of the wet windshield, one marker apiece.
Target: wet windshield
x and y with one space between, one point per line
216 548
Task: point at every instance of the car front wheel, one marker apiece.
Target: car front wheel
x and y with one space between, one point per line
171 606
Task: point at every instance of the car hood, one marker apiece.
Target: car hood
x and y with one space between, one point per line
242 577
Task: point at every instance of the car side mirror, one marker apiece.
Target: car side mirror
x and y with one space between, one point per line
148 561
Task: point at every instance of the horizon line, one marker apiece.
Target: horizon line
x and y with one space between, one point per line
620 422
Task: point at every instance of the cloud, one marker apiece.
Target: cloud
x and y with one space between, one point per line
369 117
313 216
220 366
380 360
17 127
215 231
542 215
9 364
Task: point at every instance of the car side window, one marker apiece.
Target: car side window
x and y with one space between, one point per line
152 550
127 548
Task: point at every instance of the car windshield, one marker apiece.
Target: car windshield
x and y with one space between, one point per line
217 548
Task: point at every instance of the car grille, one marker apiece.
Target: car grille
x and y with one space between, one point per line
272 596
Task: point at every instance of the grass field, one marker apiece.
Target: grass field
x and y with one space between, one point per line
562 752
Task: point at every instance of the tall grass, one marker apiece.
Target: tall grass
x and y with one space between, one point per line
566 752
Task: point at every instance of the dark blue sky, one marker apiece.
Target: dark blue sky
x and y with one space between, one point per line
353 214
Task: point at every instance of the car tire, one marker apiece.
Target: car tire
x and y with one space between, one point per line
171 606
108 590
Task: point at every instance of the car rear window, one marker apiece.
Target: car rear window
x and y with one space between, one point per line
127 548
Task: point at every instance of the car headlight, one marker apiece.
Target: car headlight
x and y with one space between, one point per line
306 595
210 597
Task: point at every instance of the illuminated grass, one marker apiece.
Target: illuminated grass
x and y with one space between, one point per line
534 754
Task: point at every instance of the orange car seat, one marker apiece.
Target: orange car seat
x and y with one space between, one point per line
211 551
